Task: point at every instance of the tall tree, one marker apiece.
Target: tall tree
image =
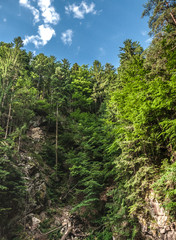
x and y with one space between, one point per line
129 50
161 12
13 61
81 87
60 95
43 68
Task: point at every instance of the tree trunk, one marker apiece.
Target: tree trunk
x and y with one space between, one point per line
8 120
56 138
173 18
19 142
67 233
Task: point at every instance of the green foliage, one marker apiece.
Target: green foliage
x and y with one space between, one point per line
86 162
105 235
161 14
165 186
22 104
48 154
111 135
12 187
43 68
3 161
41 107
45 227
129 51
81 87
141 114
61 86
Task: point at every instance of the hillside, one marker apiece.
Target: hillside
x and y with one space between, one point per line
88 152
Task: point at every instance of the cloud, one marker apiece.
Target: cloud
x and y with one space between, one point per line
35 12
45 33
49 13
4 20
149 40
67 36
77 50
49 16
79 11
102 51
144 33
44 4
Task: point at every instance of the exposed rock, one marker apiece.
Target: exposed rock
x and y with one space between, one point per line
36 133
70 226
35 223
57 221
35 182
31 169
43 216
157 224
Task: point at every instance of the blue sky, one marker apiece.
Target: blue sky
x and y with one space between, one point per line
80 30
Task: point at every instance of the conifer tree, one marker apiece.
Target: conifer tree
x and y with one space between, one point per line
162 13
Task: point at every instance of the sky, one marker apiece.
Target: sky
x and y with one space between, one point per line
79 30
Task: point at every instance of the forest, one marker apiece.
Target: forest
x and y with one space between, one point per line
96 140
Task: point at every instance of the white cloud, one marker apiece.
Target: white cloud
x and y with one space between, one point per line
102 51
149 40
35 12
78 50
45 33
24 2
44 4
144 33
79 11
49 13
49 16
35 39
67 36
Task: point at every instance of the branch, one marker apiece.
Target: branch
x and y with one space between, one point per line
66 233
173 18
52 230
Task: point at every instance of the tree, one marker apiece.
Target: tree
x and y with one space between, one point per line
43 68
12 186
128 116
23 104
81 88
98 87
162 13
60 94
88 160
13 62
129 50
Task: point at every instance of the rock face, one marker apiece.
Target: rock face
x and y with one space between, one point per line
68 225
34 173
35 184
157 225
36 133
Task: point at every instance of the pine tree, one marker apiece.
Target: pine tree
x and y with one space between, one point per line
162 13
